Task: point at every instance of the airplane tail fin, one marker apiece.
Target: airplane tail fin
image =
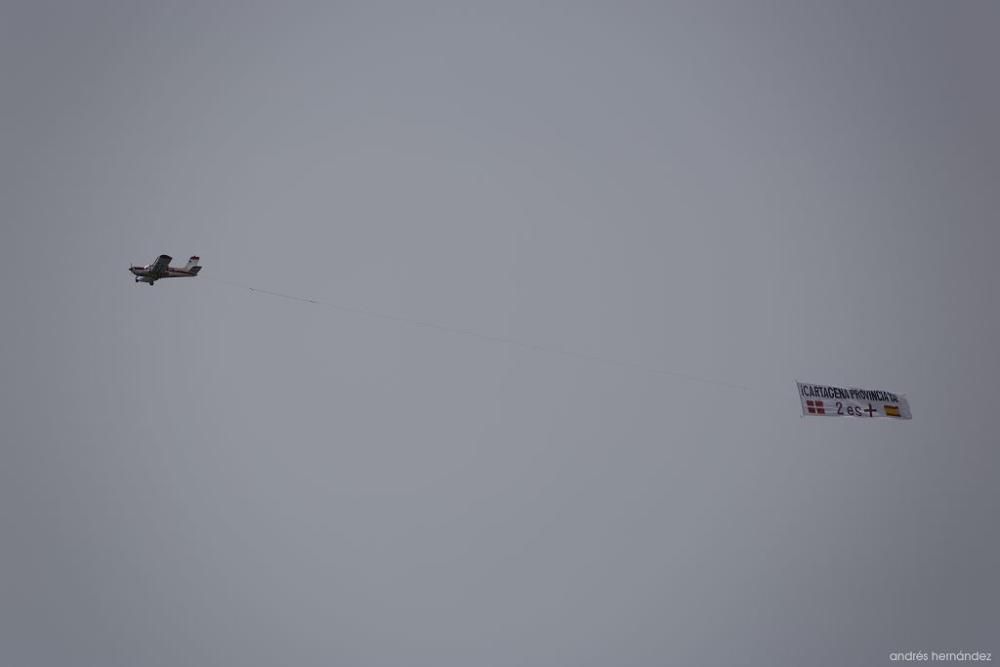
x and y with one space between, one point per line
192 266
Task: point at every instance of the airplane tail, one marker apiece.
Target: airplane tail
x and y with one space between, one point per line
192 266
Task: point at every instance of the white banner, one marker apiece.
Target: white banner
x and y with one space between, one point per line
823 400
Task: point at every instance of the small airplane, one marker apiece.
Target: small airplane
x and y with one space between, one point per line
161 268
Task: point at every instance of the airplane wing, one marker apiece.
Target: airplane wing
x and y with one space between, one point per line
159 266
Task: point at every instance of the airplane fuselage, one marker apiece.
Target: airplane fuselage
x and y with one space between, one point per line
161 269
143 271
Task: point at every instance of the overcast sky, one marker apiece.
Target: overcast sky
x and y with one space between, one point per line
748 192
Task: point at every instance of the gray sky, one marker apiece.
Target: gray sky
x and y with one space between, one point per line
749 192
